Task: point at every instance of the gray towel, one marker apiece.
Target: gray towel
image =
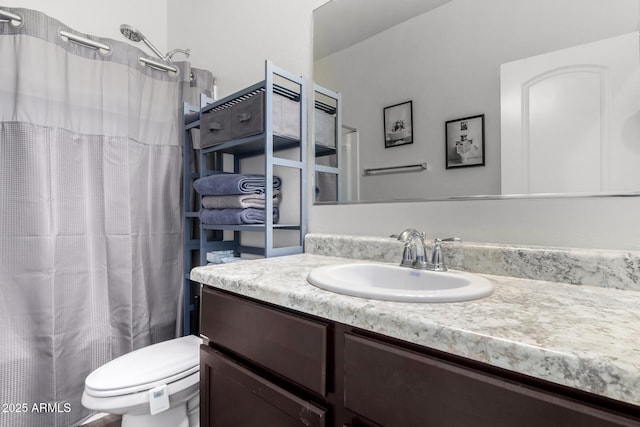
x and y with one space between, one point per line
239 201
236 216
232 183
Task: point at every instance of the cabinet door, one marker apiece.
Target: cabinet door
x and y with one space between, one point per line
232 395
395 387
289 345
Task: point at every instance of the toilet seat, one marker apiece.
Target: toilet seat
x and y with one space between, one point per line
138 403
167 362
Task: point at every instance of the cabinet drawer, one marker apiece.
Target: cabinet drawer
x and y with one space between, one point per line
215 127
291 346
247 117
392 386
238 397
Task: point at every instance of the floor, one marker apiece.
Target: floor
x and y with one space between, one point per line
108 421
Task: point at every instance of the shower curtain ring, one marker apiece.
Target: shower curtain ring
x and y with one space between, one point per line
13 19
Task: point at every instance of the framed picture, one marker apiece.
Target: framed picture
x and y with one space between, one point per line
465 142
398 124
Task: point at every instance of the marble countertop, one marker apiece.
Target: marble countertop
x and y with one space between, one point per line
579 336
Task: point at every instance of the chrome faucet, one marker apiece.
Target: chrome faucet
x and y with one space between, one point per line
414 252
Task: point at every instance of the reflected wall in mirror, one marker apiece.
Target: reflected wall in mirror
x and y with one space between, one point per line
557 81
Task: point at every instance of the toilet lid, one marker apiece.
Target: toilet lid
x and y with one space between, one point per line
148 367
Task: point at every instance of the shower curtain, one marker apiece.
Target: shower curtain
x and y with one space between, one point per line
90 212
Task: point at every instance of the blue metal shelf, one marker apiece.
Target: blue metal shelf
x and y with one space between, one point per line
252 145
212 237
192 125
249 227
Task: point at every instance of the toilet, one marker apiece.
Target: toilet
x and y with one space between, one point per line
155 386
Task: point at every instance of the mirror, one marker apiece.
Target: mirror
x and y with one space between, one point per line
499 97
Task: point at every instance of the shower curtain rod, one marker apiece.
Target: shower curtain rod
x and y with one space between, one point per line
8 17
157 65
83 41
163 67
97 45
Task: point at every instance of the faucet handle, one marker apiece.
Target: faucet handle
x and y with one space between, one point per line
448 239
437 260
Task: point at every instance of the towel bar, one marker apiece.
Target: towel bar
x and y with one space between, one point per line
390 169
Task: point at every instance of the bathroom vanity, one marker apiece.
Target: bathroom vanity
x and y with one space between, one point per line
281 352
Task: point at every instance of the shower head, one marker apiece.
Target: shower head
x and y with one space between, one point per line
131 33
136 36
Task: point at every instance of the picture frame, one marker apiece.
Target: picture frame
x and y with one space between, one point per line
398 124
464 142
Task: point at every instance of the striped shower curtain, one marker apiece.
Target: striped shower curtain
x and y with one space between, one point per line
90 212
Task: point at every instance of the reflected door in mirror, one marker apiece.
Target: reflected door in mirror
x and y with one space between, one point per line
570 120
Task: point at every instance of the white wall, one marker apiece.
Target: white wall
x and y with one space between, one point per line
448 62
103 18
598 223
233 38
603 222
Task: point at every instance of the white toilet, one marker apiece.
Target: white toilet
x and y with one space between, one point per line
155 386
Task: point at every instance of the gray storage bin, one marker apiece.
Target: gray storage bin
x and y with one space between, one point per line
215 127
247 117
286 117
325 128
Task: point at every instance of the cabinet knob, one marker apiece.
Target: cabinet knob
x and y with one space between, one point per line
215 126
244 117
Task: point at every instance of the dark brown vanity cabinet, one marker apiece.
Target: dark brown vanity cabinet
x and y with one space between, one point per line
422 390
234 395
263 366
270 367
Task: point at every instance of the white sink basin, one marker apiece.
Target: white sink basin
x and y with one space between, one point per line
394 283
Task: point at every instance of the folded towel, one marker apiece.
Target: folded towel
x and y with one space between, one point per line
236 216
240 201
232 183
191 117
227 260
215 257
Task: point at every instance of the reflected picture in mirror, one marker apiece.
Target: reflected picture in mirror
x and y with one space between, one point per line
465 142
398 124
556 80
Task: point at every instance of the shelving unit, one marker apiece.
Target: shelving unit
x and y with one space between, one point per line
228 156
190 219
327 105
